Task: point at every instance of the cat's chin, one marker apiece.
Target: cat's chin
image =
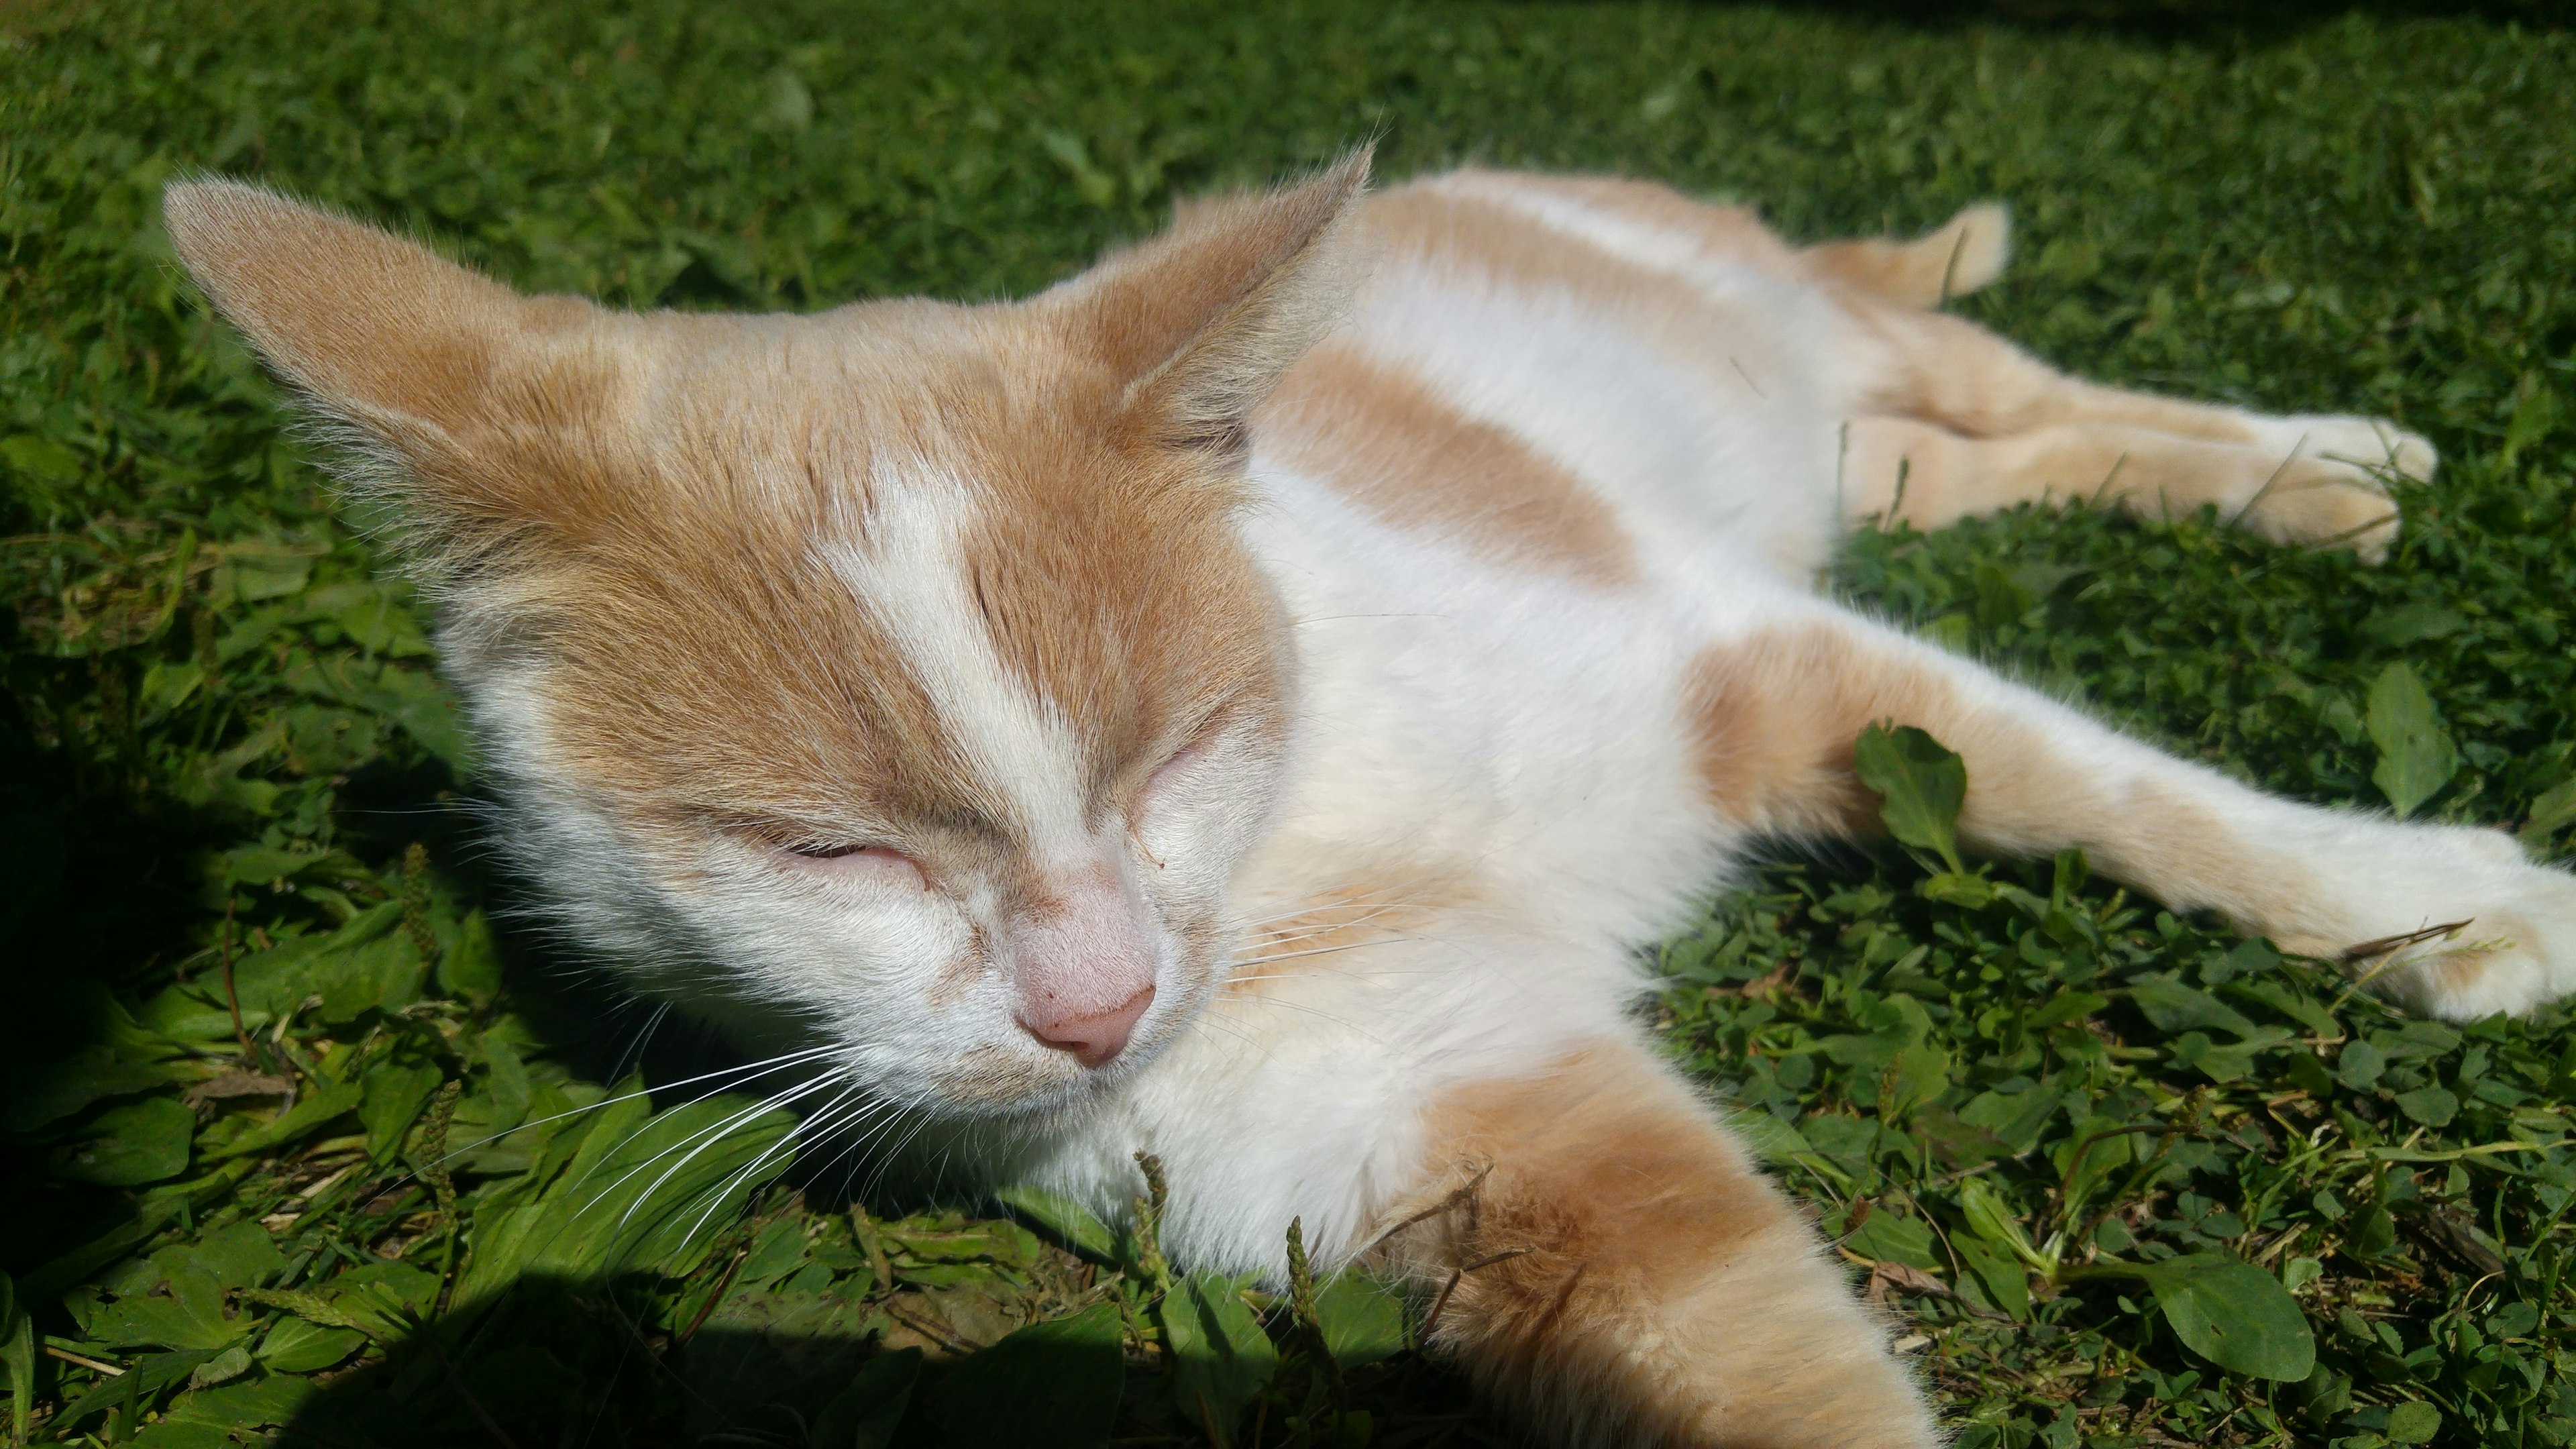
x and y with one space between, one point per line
988 1087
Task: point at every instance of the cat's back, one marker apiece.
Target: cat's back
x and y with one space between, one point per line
1576 380
1567 425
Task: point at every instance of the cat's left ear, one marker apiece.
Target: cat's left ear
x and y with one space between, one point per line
1200 323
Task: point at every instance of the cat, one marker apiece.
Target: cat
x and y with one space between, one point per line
1250 702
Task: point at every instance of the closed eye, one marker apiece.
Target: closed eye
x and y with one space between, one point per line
880 864
830 852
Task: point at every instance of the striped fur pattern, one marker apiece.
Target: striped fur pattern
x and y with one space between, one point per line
1248 703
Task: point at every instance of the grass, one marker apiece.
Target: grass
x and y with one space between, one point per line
258 995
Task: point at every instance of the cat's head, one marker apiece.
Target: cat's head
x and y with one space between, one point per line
897 672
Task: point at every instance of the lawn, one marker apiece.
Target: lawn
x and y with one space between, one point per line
304 1135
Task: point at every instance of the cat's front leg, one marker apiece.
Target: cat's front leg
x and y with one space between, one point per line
2450 920
1602 1257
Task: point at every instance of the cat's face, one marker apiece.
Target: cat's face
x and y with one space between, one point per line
895 673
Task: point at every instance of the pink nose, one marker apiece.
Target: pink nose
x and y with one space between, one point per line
1093 1039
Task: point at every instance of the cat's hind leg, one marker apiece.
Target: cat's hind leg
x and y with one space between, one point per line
1601 1255
1777 706
1894 468
2314 479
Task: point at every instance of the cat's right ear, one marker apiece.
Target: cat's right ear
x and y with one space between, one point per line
421 357
1201 322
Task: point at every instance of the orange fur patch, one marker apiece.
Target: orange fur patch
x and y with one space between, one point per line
1776 715
1613 1264
1389 443
1451 230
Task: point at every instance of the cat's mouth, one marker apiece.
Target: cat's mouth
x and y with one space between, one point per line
1011 1081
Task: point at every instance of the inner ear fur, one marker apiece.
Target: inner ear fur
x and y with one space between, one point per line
1199 324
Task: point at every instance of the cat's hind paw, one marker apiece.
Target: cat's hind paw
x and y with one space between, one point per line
2330 480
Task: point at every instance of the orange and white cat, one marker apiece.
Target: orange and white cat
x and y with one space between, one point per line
1250 702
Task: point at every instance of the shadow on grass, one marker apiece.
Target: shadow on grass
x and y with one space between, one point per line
567 1362
96 891
558 1361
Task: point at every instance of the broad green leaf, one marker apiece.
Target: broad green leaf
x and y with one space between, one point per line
414 699
1771 1139
1964 889
1066 1221
40 457
2066 1006
1221 1358
1998 1271
2233 1314
1917 1075
2514 1320
778 1251
2416 756
471 965
2413 1422
385 974
2554 811
2232 1063
304 1118
188 1315
866 1414
2416 1039
394 1092
2103 1150
1890 1237
223 1368
281 979
1921 784
1055 1383
1220 1352
1992 1218
642 1193
1361 1317
2432 1106
2359 1065
126 1146
2017 1118
69 1085
1959 1141
140 1380
2174 1007
240 1256
295 1346
998 1241
254 1405
2533 417
2412 624
183 1434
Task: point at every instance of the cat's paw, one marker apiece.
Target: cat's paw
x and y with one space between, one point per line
2475 930
2328 487
2375 445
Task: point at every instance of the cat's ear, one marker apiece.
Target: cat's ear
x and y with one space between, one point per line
1200 323
417 353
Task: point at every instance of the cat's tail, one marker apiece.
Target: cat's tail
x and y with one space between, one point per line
1967 252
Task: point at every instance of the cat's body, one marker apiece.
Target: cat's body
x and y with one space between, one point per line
1122 722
